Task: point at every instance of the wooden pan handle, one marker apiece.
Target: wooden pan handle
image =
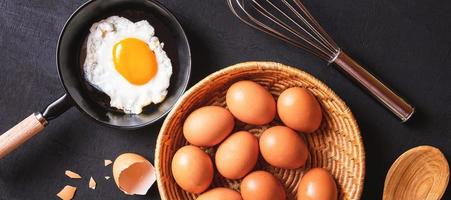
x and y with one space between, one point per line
385 95
21 132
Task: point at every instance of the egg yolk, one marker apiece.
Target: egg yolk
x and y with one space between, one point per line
135 61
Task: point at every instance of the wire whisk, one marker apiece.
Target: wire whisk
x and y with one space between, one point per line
290 21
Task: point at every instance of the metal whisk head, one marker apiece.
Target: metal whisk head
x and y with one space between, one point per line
288 20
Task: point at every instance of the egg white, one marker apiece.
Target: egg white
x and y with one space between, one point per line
100 71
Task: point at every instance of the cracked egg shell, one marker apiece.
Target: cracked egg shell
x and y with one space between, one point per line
133 174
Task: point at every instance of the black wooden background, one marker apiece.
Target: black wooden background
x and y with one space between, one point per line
406 42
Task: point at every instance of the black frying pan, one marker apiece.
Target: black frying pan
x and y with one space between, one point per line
95 104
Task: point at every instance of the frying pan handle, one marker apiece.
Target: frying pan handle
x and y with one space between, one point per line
21 132
32 125
381 92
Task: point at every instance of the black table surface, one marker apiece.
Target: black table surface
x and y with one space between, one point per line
405 42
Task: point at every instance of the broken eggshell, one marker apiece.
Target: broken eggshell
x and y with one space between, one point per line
107 162
92 183
67 193
133 174
72 174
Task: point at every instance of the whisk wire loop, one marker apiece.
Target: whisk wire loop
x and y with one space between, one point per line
247 18
316 35
289 21
319 29
305 35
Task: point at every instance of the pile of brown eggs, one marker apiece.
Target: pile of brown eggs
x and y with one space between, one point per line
237 153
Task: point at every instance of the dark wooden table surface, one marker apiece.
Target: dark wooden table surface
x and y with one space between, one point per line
405 42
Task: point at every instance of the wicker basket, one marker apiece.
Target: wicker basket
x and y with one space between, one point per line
337 145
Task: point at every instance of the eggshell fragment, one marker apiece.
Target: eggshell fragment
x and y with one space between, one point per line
133 174
208 126
317 184
107 162
220 193
72 174
92 183
298 109
67 193
251 103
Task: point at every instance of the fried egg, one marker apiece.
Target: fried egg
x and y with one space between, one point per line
126 61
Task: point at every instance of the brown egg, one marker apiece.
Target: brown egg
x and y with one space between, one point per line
261 185
208 126
220 193
282 147
299 110
251 103
192 169
237 155
317 184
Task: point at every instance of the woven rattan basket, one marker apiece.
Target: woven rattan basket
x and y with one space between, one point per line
337 145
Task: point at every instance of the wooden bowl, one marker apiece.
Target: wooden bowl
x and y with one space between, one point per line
336 146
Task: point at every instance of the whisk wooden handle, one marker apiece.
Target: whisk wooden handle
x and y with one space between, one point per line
385 95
